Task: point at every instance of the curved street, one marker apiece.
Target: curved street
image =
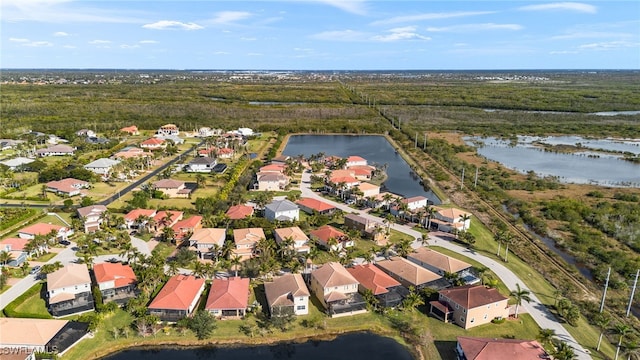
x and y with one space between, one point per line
538 311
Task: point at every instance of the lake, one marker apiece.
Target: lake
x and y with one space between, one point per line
358 346
592 167
376 149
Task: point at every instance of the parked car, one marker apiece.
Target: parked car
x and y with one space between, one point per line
65 242
35 270
113 260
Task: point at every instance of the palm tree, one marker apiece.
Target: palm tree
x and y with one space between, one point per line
520 294
168 234
622 330
235 263
387 197
545 336
601 320
632 350
508 239
481 270
563 352
412 300
498 238
430 211
201 180
5 257
463 219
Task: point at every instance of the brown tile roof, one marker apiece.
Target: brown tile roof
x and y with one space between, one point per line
412 273
473 296
28 332
373 278
315 204
439 260
40 229
237 212
227 294
294 232
121 275
91 209
70 275
248 236
67 185
15 244
326 232
178 293
342 173
333 274
282 290
168 184
451 213
345 179
501 349
367 186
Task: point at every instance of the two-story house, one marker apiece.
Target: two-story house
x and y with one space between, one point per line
69 290
56 231
271 181
172 188
470 305
204 240
168 129
178 298
246 241
387 290
299 240
153 144
138 218
442 264
368 228
237 212
331 238
116 282
448 219
201 165
282 210
186 227
286 295
92 217
337 290
472 348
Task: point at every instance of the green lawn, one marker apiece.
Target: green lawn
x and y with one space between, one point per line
45 257
31 304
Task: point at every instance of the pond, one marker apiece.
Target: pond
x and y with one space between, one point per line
579 168
358 346
376 149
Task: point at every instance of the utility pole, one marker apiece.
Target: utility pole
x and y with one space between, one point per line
416 144
475 182
633 292
424 144
462 180
604 294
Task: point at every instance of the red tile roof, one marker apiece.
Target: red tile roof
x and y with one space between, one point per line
15 244
223 151
326 232
272 168
136 213
188 224
175 217
237 212
40 229
67 185
178 293
373 278
501 349
152 141
227 294
122 275
345 179
130 129
354 158
473 296
315 204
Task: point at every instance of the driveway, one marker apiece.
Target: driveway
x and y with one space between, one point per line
540 314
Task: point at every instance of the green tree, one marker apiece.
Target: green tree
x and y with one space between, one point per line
621 330
519 295
202 324
601 320
563 352
5 257
546 336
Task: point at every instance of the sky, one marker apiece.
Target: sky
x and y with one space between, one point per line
319 34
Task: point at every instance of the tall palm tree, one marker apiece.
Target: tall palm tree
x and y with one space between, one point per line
508 239
520 294
621 330
632 350
430 211
387 197
5 257
546 336
563 352
412 300
463 219
235 263
602 321
498 236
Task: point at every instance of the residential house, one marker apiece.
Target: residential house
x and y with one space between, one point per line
337 290
271 181
471 348
204 239
413 204
368 189
102 166
368 228
92 217
312 206
172 138
131 152
131 130
410 274
470 305
138 218
6 144
273 168
225 153
153 144
17 248
228 298
209 152
245 131
355 161
17 163
56 150
172 188
116 282
362 172
280 160
177 299
237 212
67 187
387 290
22 338
168 129
185 227
69 290
448 219
296 235
31 231
442 264
287 295
207 132
331 238
86 133
282 210
201 165
168 218
246 241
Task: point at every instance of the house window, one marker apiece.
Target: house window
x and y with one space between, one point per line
464 311
457 306
489 306
301 299
485 316
300 307
462 320
472 320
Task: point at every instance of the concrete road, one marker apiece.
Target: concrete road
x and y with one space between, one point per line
539 312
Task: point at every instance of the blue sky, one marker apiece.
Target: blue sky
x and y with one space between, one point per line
320 34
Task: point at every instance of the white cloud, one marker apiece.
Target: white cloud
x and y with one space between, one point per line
19 40
248 39
69 47
221 53
61 11
475 27
402 33
38 44
610 45
357 7
99 42
430 16
591 35
566 6
172 25
226 17
254 54
148 42
562 52
126 46
341 35
60 34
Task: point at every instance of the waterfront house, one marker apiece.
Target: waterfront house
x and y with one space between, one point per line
300 241
201 165
102 166
337 290
58 232
69 290
273 168
178 298
368 189
205 239
271 181
172 188
410 274
356 161
287 295
67 187
228 298
22 338
470 305
116 282
413 205
280 159
442 264
246 241
472 348
312 206
237 212
282 210
387 290
92 217
331 238
56 150
448 219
